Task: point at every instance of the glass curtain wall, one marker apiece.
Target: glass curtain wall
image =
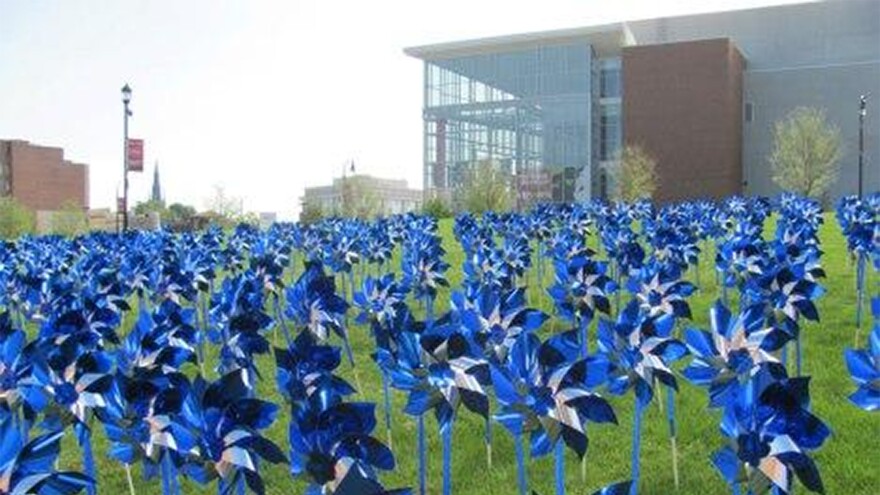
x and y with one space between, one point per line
609 125
527 111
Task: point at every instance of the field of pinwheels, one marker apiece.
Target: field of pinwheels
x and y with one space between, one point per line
591 348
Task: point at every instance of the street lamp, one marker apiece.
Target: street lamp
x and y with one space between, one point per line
126 99
863 100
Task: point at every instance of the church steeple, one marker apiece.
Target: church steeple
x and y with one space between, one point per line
156 197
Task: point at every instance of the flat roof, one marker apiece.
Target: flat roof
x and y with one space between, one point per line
606 39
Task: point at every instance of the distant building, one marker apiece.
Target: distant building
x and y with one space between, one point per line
385 196
40 178
700 93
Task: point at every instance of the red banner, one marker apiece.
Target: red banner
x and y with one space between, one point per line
135 151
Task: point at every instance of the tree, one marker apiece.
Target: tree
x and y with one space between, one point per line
15 219
359 199
485 188
179 216
311 213
224 209
635 177
437 208
806 153
69 221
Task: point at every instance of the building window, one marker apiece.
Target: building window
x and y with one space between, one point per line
749 112
609 131
610 78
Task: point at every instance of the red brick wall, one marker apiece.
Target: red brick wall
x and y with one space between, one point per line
682 102
43 180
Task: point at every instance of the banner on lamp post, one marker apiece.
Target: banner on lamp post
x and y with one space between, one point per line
135 150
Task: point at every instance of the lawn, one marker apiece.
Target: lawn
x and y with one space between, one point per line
849 461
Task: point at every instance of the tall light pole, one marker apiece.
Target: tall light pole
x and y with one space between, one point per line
863 100
126 99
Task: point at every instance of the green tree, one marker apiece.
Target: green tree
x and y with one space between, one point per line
179 216
149 206
635 176
806 153
486 188
69 221
437 208
15 219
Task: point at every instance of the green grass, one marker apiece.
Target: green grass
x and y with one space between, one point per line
849 461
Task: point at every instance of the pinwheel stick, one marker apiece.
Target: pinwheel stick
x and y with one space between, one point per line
128 478
387 398
446 434
85 438
520 463
636 446
860 295
559 455
423 456
673 432
488 440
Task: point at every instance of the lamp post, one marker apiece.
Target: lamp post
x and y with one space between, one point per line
126 99
863 100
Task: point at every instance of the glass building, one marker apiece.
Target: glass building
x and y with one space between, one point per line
546 113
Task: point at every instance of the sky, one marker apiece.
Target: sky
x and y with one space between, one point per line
259 98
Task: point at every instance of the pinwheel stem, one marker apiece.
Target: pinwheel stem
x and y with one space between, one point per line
279 315
560 466
860 295
85 438
673 432
520 463
446 434
169 476
423 456
128 478
636 446
387 398
584 469
584 324
488 440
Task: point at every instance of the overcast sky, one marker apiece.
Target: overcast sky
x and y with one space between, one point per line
260 98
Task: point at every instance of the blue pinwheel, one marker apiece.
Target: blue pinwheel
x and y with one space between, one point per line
312 303
328 445
864 367
771 432
27 467
726 357
581 289
660 290
451 375
544 391
222 438
640 349
15 367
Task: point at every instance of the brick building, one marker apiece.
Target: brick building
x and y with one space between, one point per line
40 178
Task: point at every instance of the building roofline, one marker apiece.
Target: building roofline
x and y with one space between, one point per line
598 35
606 36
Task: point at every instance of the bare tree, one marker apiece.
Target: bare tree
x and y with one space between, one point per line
806 153
635 177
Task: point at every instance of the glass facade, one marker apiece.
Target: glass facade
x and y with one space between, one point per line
545 115
528 111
